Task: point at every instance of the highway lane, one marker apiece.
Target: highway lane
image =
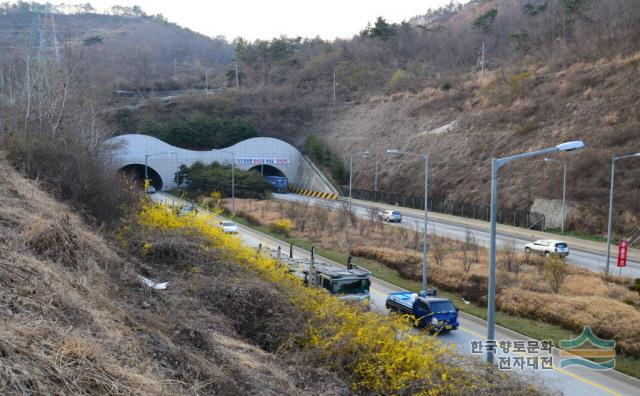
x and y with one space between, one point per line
590 260
569 381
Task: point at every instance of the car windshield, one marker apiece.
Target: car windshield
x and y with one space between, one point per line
442 306
350 286
561 245
228 223
395 213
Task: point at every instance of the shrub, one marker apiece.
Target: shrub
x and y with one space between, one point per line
377 353
74 171
555 270
251 219
281 226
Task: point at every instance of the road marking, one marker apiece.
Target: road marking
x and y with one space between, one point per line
558 369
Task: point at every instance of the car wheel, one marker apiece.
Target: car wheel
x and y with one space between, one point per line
527 250
547 254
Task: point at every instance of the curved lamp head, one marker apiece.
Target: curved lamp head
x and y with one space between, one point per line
570 146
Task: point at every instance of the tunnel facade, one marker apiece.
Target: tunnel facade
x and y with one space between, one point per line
272 157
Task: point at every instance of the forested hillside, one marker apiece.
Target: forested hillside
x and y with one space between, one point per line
552 70
123 49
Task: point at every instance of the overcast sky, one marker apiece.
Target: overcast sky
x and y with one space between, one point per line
266 19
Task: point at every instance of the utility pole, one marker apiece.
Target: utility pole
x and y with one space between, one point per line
237 77
334 88
175 68
482 63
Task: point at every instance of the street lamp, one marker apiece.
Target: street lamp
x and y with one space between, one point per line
146 160
496 164
610 223
564 187
233 181
425 243
351 171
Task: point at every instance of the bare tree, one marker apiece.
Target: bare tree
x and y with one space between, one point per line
508 256
373 213
470 251
302 217
416 236
555 270
438 247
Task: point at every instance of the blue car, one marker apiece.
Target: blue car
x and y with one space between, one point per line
433 313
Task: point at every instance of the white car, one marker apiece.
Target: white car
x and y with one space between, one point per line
390 216
548 247
229 227
187 210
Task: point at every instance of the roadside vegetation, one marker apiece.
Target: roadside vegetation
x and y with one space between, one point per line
200 179
374 353
528 286
199 132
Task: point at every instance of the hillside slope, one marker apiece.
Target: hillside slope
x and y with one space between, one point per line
75 319
126 52
514 110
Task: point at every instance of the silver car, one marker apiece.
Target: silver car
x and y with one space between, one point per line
548 247
390 216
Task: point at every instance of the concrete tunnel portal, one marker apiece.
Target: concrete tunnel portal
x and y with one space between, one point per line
268 156
135 173
267 170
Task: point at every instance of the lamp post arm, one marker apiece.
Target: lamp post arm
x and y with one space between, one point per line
502 161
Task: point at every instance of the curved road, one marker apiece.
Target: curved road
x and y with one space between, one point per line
581 256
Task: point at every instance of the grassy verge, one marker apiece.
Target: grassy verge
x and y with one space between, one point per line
580 235
532 328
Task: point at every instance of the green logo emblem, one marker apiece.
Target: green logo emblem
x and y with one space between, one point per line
589 351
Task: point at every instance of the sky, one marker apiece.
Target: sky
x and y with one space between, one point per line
266 19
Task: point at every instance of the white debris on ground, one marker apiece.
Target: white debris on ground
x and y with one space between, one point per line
154 285
443 129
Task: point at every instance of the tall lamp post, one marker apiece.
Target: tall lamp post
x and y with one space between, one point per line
233 180
564 187
496 164
146 161
351 171
425 243
610 222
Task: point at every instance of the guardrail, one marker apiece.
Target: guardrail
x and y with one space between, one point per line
508 216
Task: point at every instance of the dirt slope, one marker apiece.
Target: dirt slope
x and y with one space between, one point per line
74 319
510 112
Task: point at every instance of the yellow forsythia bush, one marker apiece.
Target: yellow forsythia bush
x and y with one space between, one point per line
281 226
379 354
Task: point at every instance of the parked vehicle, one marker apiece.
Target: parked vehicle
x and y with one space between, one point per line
390 216
279 184
151 190
548 247
433 313
229 227
187 210
349 284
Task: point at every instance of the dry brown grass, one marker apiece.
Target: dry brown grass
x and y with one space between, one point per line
518 273
76 321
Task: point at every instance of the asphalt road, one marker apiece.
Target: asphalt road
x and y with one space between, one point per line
581 257
574 380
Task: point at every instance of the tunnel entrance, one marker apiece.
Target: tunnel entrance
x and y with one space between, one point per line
267 170
135 173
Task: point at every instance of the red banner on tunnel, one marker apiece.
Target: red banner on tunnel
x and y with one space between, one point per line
622 253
